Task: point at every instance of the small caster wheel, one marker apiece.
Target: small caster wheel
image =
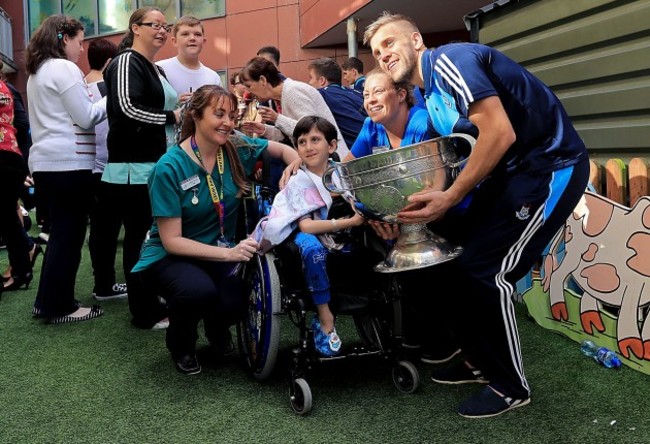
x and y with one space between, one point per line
406 377
300 396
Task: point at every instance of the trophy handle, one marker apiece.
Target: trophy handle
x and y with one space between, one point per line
327 179
471 140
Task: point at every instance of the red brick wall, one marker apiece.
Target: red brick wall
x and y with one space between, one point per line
248 25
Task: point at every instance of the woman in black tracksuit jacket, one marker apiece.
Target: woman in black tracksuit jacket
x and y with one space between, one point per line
140 105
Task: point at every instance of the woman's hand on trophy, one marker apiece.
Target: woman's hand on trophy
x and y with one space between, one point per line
425 206
289 171
384 230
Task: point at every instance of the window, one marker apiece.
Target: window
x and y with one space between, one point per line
168 8
85 12
203 8
39 10
114 15
110 16
223 75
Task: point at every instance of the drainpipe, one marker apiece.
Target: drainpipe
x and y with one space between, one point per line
352 37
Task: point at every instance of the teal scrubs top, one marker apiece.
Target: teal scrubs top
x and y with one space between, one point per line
173 183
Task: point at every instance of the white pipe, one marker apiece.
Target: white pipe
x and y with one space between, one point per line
352 38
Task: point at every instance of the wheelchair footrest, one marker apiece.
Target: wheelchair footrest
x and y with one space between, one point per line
353 351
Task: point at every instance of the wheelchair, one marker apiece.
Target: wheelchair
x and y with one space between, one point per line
372 299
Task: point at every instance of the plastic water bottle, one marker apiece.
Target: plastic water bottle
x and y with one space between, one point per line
602 355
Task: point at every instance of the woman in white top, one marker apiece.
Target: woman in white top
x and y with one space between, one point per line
297 99
62 117
105 223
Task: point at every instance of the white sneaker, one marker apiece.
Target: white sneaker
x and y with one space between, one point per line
117 291
161 325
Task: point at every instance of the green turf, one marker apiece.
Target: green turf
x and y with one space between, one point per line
103 381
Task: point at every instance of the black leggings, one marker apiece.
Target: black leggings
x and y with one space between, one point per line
131 203
196 290
68 194
12 178
105 224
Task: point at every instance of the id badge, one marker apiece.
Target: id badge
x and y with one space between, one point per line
221 242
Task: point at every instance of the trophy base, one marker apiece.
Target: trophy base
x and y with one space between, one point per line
417 247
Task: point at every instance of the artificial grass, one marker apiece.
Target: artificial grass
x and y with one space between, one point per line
103 381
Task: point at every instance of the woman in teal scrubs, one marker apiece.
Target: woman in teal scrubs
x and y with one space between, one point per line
196 190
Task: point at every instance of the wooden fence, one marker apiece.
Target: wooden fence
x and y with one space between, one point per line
623 183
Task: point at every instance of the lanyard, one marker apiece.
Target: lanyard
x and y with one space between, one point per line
218 202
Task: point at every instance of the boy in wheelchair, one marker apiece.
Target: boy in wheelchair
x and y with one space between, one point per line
304 204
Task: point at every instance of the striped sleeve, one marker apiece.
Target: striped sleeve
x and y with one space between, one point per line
128 90
448 71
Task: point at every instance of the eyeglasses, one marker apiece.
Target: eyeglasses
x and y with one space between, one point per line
157 26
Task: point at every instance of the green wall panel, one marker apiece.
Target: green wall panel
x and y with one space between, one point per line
595 55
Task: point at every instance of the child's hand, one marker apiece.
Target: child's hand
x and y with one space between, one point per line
357 220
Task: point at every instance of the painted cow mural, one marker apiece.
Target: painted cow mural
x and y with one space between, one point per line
607 253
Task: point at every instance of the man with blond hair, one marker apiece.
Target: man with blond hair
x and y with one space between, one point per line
185 72
526 173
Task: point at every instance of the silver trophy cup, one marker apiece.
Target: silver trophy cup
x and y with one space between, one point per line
378 187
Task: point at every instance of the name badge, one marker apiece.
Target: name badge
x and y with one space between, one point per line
190 183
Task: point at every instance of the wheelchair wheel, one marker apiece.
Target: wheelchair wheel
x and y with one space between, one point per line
406 377
258 333
300 396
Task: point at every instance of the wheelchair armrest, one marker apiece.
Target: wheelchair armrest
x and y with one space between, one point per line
267 192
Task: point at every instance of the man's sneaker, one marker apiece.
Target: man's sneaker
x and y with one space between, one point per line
45 237
117 291
487 403
161 325
458 374
327 344
188 365
431 356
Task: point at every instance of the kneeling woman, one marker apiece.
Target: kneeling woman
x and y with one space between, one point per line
196 190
